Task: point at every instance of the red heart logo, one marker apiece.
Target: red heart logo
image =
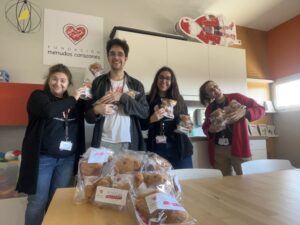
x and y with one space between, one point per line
75 33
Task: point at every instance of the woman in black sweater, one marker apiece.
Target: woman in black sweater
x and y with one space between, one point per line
53 141
173 146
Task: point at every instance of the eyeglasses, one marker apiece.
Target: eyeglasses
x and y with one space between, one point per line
114 54
161 78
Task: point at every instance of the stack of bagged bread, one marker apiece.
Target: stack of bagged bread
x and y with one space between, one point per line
136 179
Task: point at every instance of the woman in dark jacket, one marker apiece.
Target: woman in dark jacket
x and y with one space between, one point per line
53 141
173 146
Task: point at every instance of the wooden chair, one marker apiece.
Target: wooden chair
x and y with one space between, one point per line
265 166
196 173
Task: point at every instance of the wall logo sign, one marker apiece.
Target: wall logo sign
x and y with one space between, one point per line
208 29
75 33
73 39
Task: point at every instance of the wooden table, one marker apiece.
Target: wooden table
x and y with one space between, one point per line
260 199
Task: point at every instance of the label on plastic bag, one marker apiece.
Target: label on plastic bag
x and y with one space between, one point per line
111 195
162 201
98 155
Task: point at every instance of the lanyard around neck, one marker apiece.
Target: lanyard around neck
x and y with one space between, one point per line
66 116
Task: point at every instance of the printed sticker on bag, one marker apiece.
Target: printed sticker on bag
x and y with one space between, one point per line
98 155
111 195
162 201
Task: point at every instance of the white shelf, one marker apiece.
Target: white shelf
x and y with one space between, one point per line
270 112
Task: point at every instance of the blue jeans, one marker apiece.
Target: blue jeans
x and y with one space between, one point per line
53 173
167 151
183 164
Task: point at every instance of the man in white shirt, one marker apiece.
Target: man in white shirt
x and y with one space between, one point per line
118 103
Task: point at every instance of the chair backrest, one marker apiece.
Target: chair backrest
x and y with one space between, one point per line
189 174
265 166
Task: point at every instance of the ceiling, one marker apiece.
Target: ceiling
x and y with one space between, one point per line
257 14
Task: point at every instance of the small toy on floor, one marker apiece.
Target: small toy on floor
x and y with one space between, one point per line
13 155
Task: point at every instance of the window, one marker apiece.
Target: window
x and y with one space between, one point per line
287 93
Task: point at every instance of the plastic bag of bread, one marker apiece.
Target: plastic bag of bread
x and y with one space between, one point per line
159 180
168 105
154 162
185 125
153 181
132 93
126 162
90 167
131 162
158 207
218 117
233 106
93 161
112 191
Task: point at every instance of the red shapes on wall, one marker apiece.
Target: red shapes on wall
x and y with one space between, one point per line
13 100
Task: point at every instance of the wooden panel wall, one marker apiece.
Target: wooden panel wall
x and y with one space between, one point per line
255 44
283 45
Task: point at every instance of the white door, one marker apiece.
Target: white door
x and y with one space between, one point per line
227 68
147 54
189 60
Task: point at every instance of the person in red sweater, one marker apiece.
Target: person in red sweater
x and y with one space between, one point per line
226 127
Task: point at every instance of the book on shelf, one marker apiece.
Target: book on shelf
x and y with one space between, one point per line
269 107
253 129
271 131
262 129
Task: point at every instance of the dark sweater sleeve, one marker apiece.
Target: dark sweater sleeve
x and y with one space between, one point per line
40 105
90 116
137 106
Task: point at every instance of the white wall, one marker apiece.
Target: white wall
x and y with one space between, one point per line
288 144
11 138
21 54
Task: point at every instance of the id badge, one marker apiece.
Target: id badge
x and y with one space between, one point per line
161 139
223 141
65 145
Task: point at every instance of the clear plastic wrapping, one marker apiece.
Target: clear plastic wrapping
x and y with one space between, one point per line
112 191
155 201
185 124
168 105
132 93
233 106
132 179
219 117
90 167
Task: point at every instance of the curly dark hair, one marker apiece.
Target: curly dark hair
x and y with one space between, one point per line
204 99
117 42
